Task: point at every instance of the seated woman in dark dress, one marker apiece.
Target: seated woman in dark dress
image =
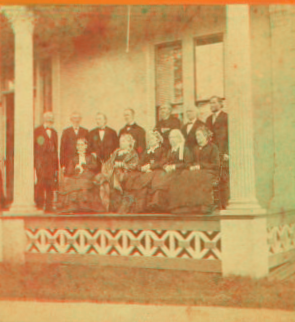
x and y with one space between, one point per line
195 186
154 157
111 180
165 192
138 182
77 193
206 154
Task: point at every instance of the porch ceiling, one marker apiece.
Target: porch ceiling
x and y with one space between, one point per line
60 28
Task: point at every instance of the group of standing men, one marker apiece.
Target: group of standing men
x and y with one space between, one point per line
103 141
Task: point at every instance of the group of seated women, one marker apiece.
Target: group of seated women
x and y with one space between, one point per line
177 180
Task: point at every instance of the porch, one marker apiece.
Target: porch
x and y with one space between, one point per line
251 237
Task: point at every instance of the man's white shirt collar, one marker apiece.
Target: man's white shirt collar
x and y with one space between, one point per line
76 129
190 125
48 131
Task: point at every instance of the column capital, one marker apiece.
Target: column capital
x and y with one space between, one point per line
21 18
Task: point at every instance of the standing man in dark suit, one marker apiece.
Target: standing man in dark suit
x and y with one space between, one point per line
190 128
135 130
46 162
103 141
218 124
69 139
166 123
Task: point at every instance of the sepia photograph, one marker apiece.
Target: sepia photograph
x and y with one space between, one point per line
147 163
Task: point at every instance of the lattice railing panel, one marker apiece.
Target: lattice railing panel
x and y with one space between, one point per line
281 238
122 242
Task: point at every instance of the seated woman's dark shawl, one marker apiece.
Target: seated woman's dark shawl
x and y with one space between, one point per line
193 190
77 192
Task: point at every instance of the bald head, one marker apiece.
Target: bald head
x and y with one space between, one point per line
48 118
129 115
165 111
191 114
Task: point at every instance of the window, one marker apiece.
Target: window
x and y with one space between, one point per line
169 76
209 68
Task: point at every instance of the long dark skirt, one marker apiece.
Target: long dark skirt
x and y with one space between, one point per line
181 191
138 196
79 194
190 190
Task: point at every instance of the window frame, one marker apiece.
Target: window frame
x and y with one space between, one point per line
173 104
207 39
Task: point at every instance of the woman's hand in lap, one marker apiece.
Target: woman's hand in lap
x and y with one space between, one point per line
146 168
194 167
169 168
118 164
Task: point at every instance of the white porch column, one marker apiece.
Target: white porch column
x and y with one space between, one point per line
244 232
239 100
23 24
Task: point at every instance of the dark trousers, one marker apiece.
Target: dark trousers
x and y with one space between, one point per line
44 192
224 187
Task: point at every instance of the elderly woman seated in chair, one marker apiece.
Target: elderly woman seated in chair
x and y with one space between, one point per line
114 172
196 184
165 192
138 182
77 193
